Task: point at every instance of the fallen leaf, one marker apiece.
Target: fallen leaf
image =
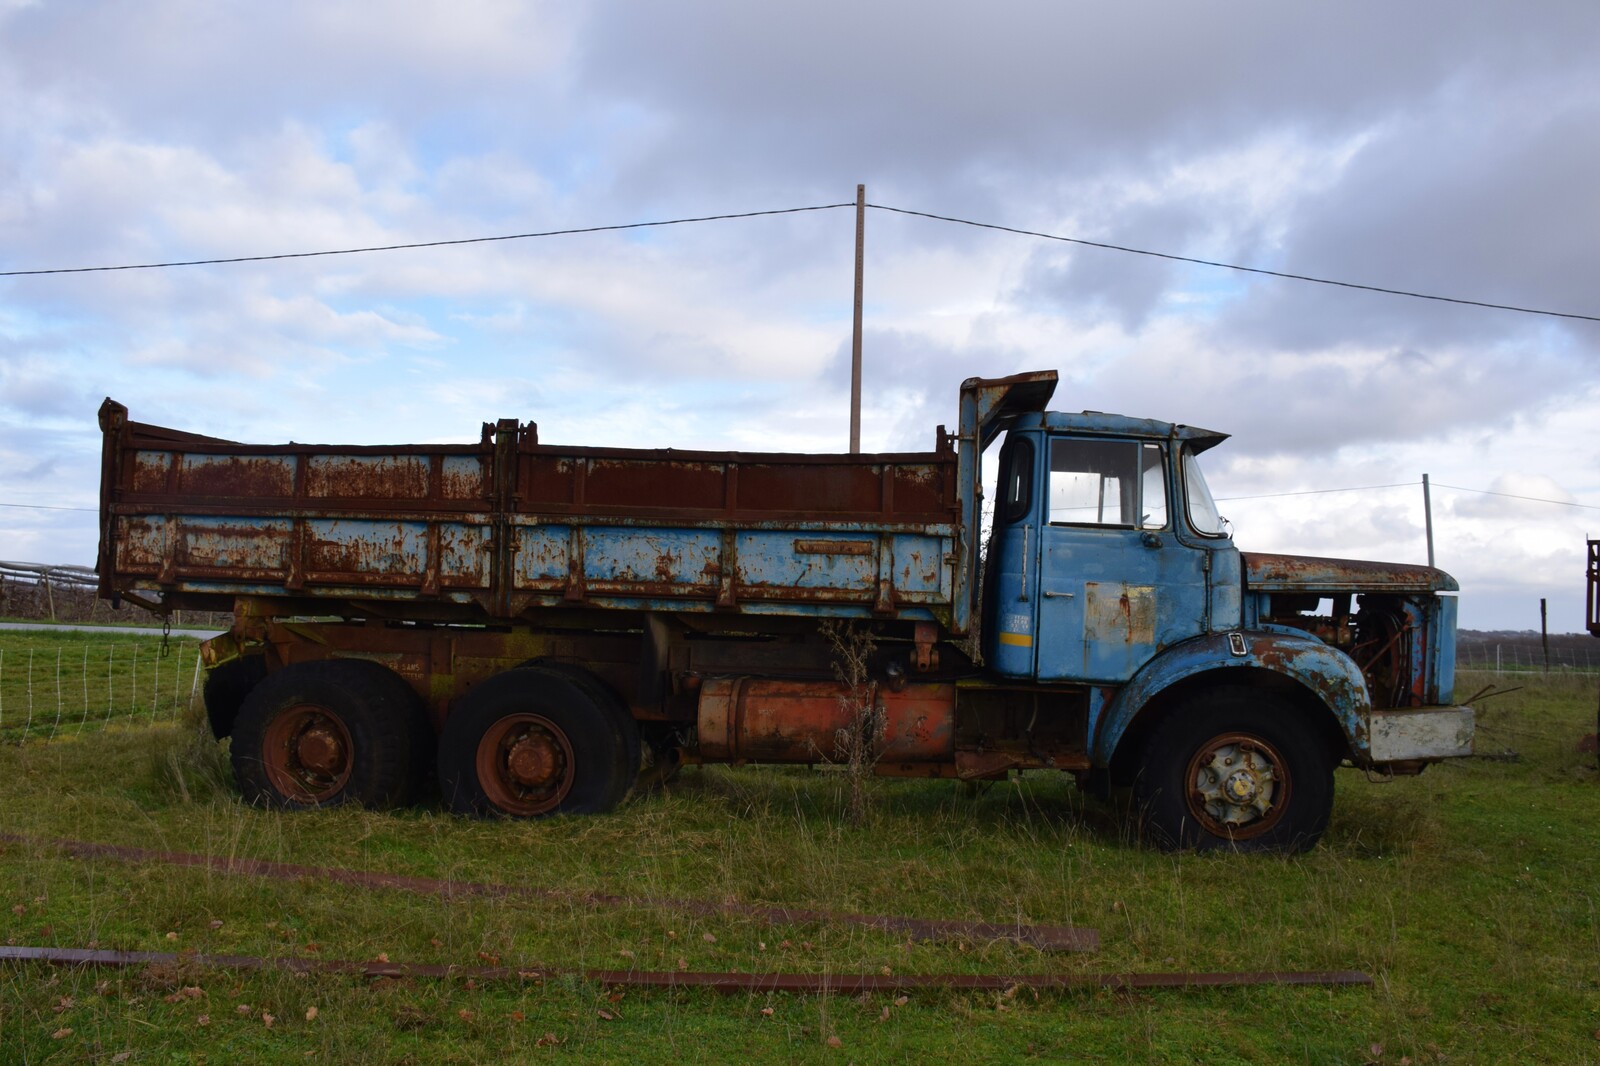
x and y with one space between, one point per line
204 1019
625 953
381 956
311 947
518 1016
172 936
761 945
547 1040
19 910
242 1009
62 1004
1377 1051
709 938
122 1056
216 923
268 1019
683 964
607 1015
616 997
886 971
488 959
884 1016
60 1034
311 1014
901 1001
465 1015
766 1012
436 942
834 1041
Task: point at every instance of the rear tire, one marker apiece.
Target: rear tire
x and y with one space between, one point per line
323 734
1235 768
531 742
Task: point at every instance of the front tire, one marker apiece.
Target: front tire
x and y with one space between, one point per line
531 742
1236 768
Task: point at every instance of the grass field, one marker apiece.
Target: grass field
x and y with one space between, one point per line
1471 894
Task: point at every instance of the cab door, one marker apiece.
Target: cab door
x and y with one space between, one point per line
1114 584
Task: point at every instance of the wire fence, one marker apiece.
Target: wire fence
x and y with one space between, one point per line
1515 658
60 692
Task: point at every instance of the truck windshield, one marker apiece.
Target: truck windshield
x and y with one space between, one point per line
1203 514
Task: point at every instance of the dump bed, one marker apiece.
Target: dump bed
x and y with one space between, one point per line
494 530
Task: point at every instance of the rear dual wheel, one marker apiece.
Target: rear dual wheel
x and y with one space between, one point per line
535 741
327 733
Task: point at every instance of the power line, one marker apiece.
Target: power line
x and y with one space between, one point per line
1238 267
1404 485
1218 264
1514 496
419 244
49 507
1317 492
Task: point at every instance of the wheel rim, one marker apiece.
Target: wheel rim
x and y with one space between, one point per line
306 752
525 764
1238 786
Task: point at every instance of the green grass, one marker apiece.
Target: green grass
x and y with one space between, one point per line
1470 894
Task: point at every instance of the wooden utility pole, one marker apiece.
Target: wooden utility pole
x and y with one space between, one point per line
855 337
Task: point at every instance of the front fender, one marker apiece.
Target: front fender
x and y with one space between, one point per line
1327 673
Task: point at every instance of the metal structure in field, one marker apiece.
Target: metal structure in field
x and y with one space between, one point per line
548 612
1592 612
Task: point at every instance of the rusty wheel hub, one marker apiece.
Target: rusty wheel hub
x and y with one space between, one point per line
525 764
320 750
1238 786
534 761
307 753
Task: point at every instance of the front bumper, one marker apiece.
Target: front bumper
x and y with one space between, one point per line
1420 734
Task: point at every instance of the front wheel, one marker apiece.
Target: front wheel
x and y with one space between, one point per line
1236 768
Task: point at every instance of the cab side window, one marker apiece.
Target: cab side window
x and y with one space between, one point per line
1107 483
1016 480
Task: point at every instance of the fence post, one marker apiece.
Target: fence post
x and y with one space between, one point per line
28 726
57 723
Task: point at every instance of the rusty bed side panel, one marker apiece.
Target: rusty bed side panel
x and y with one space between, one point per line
494 528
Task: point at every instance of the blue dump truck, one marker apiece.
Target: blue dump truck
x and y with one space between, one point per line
528 625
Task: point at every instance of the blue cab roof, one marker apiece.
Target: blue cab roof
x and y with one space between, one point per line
1101 424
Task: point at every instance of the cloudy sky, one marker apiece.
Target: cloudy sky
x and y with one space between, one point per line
1427 146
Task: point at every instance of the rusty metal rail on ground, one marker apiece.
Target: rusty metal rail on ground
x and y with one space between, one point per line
816 983
1043 937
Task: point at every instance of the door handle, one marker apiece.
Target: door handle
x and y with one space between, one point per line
1058 595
